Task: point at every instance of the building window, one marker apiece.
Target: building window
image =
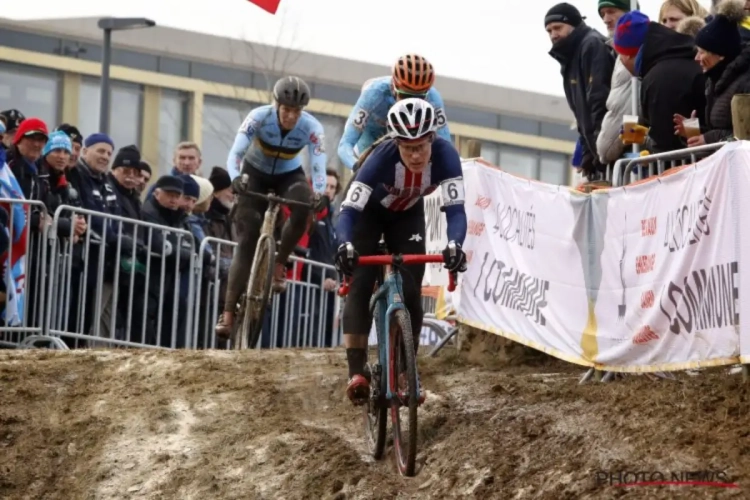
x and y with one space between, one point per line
221 120
126 105
554 168
173 112
491 153
519 162
34 92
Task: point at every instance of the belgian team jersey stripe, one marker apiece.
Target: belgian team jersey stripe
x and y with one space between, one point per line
275 150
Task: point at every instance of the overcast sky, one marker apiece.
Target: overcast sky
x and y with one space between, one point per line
501 42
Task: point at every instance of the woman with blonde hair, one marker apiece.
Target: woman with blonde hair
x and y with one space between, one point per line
674 11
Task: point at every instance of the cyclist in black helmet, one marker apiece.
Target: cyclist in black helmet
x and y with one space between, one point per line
267 149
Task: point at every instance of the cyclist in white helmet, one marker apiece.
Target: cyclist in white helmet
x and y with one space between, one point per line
386 196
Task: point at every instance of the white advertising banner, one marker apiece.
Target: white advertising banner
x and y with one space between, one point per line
640 278
525 276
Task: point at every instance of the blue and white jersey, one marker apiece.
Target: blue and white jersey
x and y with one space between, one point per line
384 180
262 143
368 119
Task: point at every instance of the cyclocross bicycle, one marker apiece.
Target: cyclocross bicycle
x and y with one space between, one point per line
252 306
396 355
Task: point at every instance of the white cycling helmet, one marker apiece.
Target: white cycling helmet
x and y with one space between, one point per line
411 118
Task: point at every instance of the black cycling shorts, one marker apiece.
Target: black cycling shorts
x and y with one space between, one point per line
404 232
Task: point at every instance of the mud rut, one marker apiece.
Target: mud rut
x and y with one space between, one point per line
210 425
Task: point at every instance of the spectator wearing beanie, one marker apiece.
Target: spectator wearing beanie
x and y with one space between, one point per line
125 177
145 169
12 119
219 225
671 81
727 68
586 65
76 139
609 147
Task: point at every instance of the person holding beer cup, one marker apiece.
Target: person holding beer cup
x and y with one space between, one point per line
726 65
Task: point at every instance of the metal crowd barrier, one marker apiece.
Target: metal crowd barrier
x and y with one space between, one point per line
23 298
629 170
304 316
124 282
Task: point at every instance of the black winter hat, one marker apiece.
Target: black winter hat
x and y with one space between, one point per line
564 13
220 179
72 132
721 35
145 167
12 118
129 156
170 183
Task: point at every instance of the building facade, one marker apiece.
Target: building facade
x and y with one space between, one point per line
170 85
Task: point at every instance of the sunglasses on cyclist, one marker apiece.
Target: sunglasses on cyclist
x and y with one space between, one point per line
404 94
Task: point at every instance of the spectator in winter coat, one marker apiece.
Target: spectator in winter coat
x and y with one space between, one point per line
76 139
174 258
671 81
586 64
71 229
609 147
674 11
322 249
219 225
727 69
145 178
125 177
12 119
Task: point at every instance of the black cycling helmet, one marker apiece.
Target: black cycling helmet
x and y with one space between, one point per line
291 91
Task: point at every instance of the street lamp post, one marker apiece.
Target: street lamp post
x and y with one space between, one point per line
108 25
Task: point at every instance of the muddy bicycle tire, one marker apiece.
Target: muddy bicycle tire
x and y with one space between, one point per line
257 294
402 344
375 412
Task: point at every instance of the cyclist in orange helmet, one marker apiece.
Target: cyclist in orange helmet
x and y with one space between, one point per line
412 76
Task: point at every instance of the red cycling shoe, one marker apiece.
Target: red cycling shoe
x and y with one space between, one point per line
358 390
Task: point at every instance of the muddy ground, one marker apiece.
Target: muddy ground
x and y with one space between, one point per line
126 424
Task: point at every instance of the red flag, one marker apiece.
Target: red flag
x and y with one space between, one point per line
270 6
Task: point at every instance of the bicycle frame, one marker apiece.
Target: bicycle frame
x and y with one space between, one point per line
388 298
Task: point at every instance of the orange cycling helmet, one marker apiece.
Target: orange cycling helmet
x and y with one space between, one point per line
414 74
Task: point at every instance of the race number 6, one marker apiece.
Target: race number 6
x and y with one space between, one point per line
357 196
453 191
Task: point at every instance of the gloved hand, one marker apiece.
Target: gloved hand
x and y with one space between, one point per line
346 259
320 202
591 167
239 184
454 257
636 135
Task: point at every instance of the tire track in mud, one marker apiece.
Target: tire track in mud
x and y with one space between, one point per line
276 424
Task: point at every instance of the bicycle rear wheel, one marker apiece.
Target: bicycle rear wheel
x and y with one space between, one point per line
401 356
257 295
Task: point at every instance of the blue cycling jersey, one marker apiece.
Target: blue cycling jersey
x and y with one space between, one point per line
383 179
262 143
368 122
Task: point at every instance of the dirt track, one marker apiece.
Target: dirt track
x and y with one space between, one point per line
212 425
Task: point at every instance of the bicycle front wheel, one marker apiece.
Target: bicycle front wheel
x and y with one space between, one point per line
257 295
402 372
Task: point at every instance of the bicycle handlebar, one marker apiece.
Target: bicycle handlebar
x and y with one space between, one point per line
278 199
385 260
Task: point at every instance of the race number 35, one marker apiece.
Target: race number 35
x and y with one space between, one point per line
453 192
440 118
360 119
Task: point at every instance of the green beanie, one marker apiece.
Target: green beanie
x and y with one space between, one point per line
623 5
